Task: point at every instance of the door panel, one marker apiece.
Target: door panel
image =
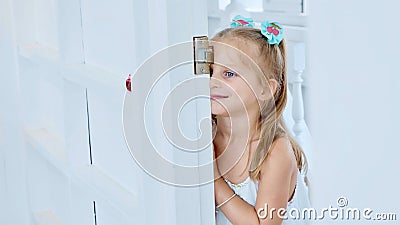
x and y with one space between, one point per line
72 58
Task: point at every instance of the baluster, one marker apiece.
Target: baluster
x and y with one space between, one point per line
299 127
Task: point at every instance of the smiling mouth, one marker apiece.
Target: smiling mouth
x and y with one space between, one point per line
213 97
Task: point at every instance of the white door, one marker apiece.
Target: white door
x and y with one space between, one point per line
65 153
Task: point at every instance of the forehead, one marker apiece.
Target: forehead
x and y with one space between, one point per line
236 55
234 49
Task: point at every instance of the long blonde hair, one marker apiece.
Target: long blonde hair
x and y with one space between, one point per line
272 62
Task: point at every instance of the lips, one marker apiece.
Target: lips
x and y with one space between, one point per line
217 96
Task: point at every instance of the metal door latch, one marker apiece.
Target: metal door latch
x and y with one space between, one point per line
203 55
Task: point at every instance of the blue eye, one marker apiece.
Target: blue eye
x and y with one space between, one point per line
230 74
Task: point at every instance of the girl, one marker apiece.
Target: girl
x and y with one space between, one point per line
258 164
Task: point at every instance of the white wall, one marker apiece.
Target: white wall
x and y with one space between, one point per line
355 79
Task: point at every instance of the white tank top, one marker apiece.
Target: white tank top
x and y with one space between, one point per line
247 190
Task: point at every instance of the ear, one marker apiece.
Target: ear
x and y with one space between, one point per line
270 90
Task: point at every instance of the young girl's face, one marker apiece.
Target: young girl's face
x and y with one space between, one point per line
235 87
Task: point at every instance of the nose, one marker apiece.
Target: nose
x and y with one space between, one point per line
214 82
215 77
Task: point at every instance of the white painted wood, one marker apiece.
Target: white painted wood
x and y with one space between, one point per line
296 65
285 6
204 123
109 35
295 110
45 19
50 147
3 177
82 198
195 13
24 23
47 218
14 206
110 190
76 130
72 60
234 8
70 31
47 186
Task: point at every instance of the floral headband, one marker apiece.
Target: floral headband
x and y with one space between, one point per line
271 30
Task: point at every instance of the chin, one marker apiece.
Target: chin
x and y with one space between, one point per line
217 109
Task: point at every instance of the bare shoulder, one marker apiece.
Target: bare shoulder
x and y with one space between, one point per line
281 156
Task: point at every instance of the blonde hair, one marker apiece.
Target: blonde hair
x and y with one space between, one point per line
272 62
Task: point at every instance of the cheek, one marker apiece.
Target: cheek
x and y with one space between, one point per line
245 94
238 103
241 97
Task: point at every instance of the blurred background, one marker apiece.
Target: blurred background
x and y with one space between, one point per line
63 156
